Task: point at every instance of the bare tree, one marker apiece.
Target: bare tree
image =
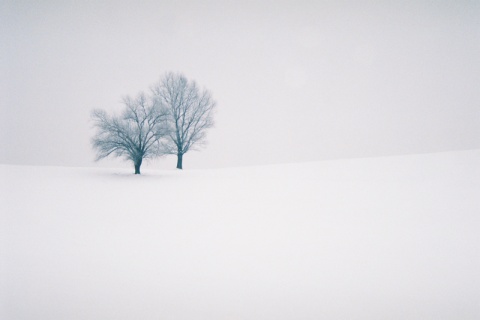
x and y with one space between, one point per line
135 135
190 113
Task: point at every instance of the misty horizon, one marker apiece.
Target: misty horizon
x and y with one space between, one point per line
294 82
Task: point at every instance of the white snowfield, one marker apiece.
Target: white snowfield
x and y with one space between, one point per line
375 238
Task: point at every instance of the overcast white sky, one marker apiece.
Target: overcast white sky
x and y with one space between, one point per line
294 80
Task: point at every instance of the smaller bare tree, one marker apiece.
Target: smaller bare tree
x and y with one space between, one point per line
190 113
135 135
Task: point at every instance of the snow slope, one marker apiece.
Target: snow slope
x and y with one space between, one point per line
380 238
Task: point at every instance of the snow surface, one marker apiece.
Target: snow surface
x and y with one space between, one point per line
379 238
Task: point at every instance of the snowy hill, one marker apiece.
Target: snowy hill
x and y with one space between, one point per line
380 238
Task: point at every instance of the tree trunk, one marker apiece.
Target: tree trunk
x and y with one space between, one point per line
137 165
179 161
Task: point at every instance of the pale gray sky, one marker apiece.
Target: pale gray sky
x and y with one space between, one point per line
294 80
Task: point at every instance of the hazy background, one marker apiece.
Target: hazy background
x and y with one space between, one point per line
294 80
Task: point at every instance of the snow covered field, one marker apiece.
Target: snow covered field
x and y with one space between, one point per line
380 238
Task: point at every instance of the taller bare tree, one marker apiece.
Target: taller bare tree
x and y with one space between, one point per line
134 135
190 113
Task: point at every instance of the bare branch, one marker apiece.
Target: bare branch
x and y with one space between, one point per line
190 113
135 135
